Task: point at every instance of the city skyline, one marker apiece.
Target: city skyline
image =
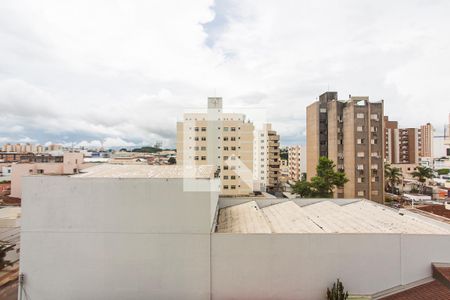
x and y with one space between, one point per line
123 73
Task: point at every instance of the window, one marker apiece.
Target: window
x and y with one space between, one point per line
323 110
360 179
203 148
225 177
225 148
359 128
374 117
225 187
225 138
360 154
233 128
361 193
203 157
233 187
233 148
203 138
196 158
360 167
374 141
360 115
225 157
196 148
196 138
233 138
196 128
225 129
375 193
225 167
203 128
233 177
360 141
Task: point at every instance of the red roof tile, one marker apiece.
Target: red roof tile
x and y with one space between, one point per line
432 290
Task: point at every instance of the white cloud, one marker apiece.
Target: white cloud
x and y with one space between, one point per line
123 72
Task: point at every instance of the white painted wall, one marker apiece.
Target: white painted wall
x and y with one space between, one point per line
104 238
301 266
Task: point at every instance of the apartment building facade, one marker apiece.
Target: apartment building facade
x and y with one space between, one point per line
296 162
426 140
224 140
23 148
266 159
351 134
407 145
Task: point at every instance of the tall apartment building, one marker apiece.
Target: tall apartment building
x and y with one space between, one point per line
266 155
426 140
391 140
409 145
296 162
351 134
224 140
406 145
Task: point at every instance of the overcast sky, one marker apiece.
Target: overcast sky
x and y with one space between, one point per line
123 72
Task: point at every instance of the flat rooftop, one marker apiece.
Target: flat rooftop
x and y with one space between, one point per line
360 216
147 171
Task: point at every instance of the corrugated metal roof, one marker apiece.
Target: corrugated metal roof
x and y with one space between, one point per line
322 217
242 218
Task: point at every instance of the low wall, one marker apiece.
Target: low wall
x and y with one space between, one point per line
301 266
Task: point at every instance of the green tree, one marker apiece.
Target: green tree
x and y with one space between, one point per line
422 174
392 176
327 179
302 188
337 292
323 184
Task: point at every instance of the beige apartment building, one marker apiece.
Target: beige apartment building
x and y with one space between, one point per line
296 162
351 134
221 139
266 159
407 145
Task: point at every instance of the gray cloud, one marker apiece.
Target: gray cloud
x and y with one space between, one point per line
124 72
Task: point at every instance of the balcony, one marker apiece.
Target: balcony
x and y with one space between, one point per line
274 137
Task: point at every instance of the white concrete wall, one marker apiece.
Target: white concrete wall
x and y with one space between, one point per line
301 266
103 238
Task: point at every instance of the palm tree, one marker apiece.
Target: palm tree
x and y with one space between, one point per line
422 174
393 176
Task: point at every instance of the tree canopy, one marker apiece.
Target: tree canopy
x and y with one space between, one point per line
323 184
393 176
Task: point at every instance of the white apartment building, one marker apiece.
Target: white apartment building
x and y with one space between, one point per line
296 162
224 140
266 159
